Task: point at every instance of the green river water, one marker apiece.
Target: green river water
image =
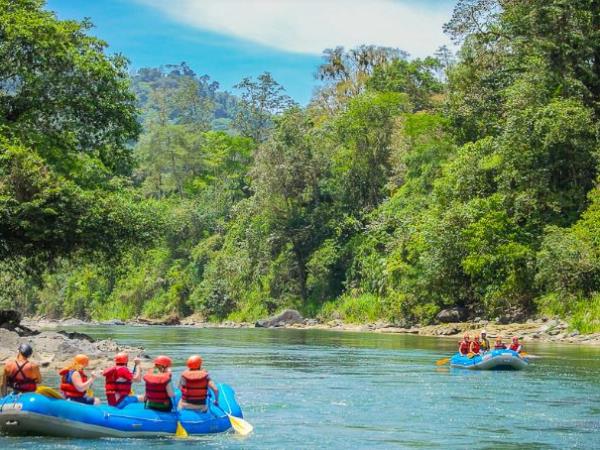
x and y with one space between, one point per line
309 389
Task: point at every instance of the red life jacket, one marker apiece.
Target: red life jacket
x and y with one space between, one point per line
17 379
66 383
500 347
475 347
118 384
195 388
514 347
156 387
464 347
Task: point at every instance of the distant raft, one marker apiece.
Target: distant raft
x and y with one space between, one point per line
36 414
493 360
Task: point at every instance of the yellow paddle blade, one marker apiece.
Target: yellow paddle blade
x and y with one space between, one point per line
523 354
131 392
240 425
48 392
441 362
470 355
90 393
180 431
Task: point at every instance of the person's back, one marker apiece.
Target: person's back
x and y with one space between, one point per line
119 380
74 382
21 374
159 391
194 384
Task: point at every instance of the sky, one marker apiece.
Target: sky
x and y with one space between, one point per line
232 39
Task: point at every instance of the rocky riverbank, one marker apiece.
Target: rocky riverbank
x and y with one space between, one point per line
535 330
54 349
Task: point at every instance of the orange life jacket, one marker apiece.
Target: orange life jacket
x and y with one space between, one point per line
464 347
18 379
118 384
156 387
66 383
195 388
475 347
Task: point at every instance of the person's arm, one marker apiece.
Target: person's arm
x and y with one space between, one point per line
3 388
80 385
137 370
171 394
37 376
215 390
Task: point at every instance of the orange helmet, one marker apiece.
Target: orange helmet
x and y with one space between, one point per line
194 362
466 336
121 358
476 337
81 360
163 361
498 338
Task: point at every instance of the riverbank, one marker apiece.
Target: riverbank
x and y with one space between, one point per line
54 349
534 330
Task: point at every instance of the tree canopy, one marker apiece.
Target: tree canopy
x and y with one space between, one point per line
406 186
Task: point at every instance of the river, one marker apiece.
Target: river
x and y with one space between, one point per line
310 389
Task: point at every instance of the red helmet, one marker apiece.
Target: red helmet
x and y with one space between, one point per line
194 362
163 361
121 358
515 338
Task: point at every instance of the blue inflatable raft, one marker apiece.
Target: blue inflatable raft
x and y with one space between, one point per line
492 360
36 414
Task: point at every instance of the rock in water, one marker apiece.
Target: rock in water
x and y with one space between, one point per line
452 315
286 317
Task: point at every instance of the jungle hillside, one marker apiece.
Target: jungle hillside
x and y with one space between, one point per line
468 179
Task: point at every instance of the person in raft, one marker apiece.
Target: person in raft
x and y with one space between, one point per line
159 389
485 343
21 374
119 380
194 384
465 345
74 383
516 345
499 344
475 345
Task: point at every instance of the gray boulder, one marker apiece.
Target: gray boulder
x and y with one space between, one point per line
286 317
452 315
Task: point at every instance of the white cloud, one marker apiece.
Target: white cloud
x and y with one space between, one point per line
309 26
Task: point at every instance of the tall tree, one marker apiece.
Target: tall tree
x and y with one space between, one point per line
260 101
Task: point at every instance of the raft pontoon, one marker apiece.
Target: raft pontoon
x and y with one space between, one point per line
37 414
492 360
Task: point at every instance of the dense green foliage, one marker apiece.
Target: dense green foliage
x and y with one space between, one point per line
404 187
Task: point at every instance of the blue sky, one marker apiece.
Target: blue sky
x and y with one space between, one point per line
231 39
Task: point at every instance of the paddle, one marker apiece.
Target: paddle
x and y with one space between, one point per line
239 425
441 362
180 431
48 392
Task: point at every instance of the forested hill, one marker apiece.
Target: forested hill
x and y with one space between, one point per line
179 84
404 187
